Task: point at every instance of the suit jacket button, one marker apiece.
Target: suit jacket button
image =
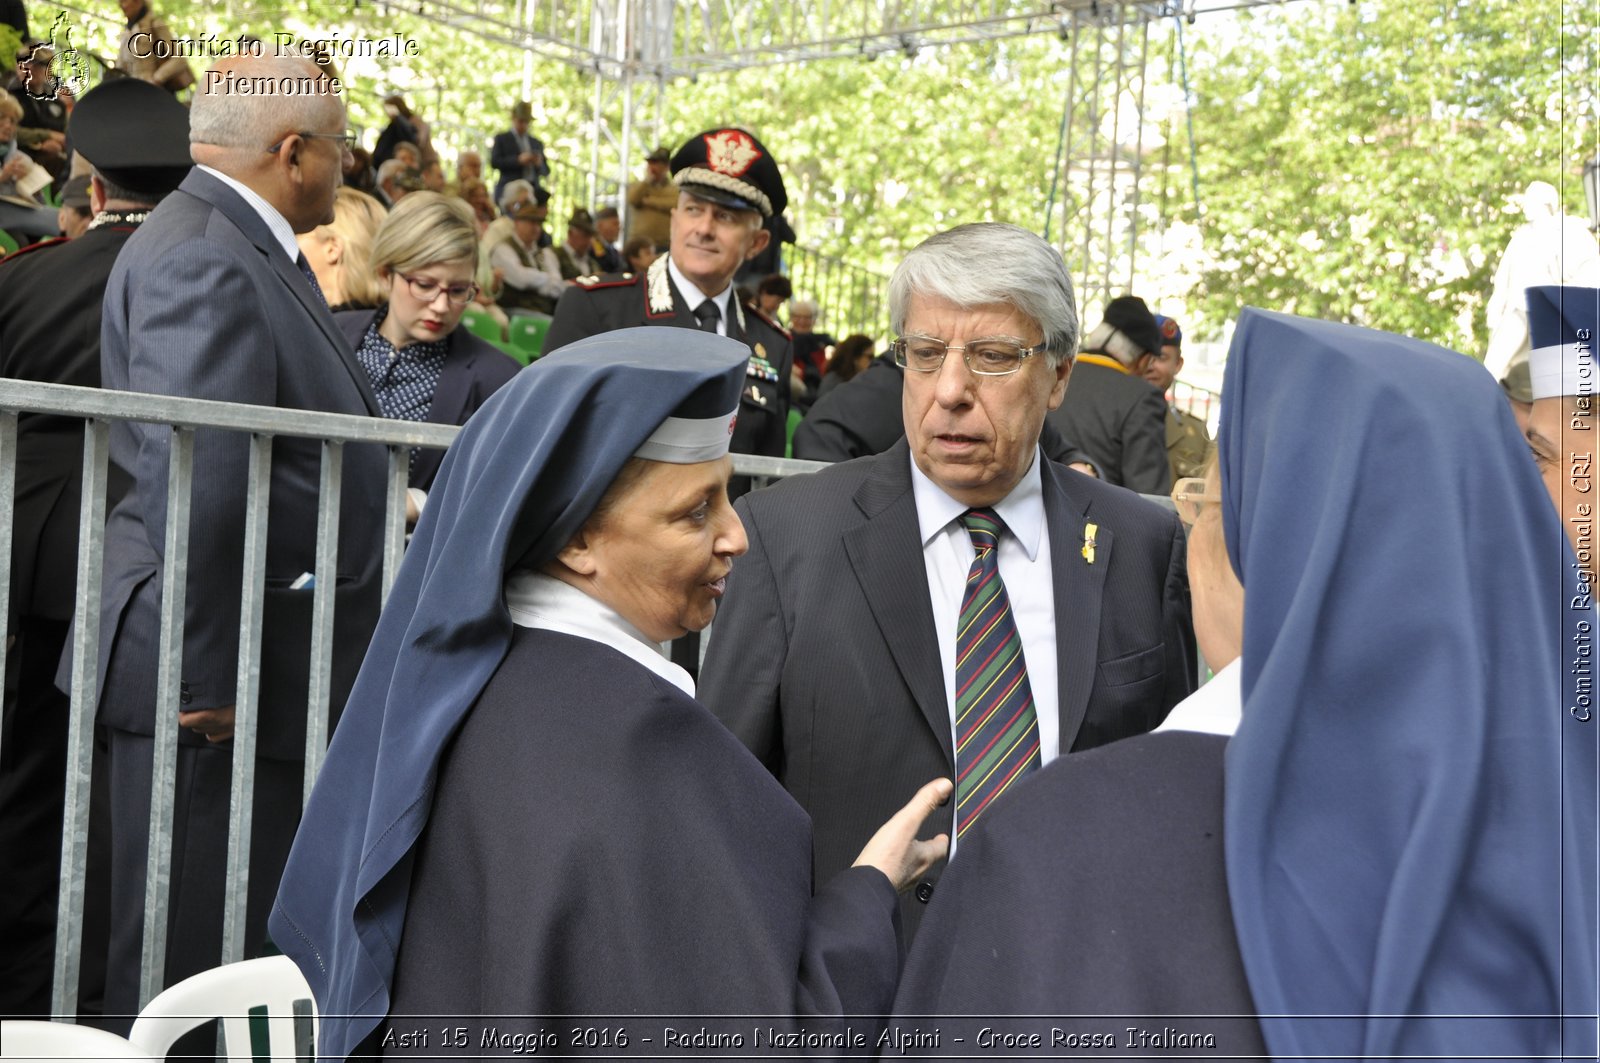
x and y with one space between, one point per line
924 892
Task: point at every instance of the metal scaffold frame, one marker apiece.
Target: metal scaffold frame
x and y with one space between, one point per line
635 48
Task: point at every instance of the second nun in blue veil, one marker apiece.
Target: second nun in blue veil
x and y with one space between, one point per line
523 810
1394 854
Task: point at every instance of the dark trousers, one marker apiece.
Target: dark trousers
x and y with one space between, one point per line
199 858
33 777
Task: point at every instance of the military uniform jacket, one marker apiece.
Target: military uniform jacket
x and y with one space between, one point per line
603 304
50 297
1188 443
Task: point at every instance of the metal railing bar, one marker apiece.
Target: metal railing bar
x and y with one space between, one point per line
241 799
394 521
327 581
8 510
67 400
164 752
80 733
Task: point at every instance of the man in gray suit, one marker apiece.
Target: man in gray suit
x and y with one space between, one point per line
210 300
956 605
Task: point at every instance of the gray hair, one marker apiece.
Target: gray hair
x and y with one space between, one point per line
222 116
990 262
513 191
805 306
390 168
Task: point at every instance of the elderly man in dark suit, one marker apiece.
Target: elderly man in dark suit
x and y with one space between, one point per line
955 605
210 300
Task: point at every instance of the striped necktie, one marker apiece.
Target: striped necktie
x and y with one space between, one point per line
997 727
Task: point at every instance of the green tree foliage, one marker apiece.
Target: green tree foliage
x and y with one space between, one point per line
1357 162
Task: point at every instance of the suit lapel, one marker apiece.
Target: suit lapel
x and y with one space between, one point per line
1080 589
450 395
232 205
886 554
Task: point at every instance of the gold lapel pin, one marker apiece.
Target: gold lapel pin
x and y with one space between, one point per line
1088 541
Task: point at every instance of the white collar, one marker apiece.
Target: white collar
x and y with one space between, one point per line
282 231
1022 510
547 604
692 295
1213 709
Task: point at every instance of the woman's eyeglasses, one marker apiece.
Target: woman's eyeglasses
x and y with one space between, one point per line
426 290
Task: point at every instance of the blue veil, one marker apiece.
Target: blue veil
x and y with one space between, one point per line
519 481
1410 808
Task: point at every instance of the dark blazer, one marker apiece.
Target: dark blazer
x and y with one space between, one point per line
823 658
617 302
50 331
862 416
503 157
204 303
1121 421
473 370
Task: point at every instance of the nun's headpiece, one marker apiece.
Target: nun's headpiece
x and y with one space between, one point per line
1562 322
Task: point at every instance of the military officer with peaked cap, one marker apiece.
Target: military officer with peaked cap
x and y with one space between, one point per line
136 137
728 183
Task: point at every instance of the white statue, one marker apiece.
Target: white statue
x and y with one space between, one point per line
1552 248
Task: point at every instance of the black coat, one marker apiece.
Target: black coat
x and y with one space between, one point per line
608 850
862 416
50 295
1121 421
473 370
1096 890
618 302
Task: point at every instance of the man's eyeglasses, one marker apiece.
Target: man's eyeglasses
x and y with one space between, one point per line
426 290
348 138
1189 495
997 356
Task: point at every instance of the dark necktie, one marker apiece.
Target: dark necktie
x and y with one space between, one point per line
708 314
997 726
311 278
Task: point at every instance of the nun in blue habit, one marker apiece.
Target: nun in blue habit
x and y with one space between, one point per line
1394 855
524 811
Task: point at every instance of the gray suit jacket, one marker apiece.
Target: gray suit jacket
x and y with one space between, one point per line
824 662
203 303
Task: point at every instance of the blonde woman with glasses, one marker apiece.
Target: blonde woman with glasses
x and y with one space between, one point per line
421 365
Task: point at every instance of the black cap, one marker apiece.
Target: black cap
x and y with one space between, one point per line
731 167
134 134
1129 315
75 193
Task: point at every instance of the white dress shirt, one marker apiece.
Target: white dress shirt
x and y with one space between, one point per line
1025 569
282 231
693 296
1214 709
545 603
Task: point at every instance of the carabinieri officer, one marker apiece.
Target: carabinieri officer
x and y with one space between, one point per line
727 184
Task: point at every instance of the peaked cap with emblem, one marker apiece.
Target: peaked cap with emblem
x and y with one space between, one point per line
135 134
731 167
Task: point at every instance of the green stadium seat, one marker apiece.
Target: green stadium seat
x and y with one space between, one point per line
481 325
795 417
7 243
528 332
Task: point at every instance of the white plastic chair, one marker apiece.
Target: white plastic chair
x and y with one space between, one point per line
229 993
27 1041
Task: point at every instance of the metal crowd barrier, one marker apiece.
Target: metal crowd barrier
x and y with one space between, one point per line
99 409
